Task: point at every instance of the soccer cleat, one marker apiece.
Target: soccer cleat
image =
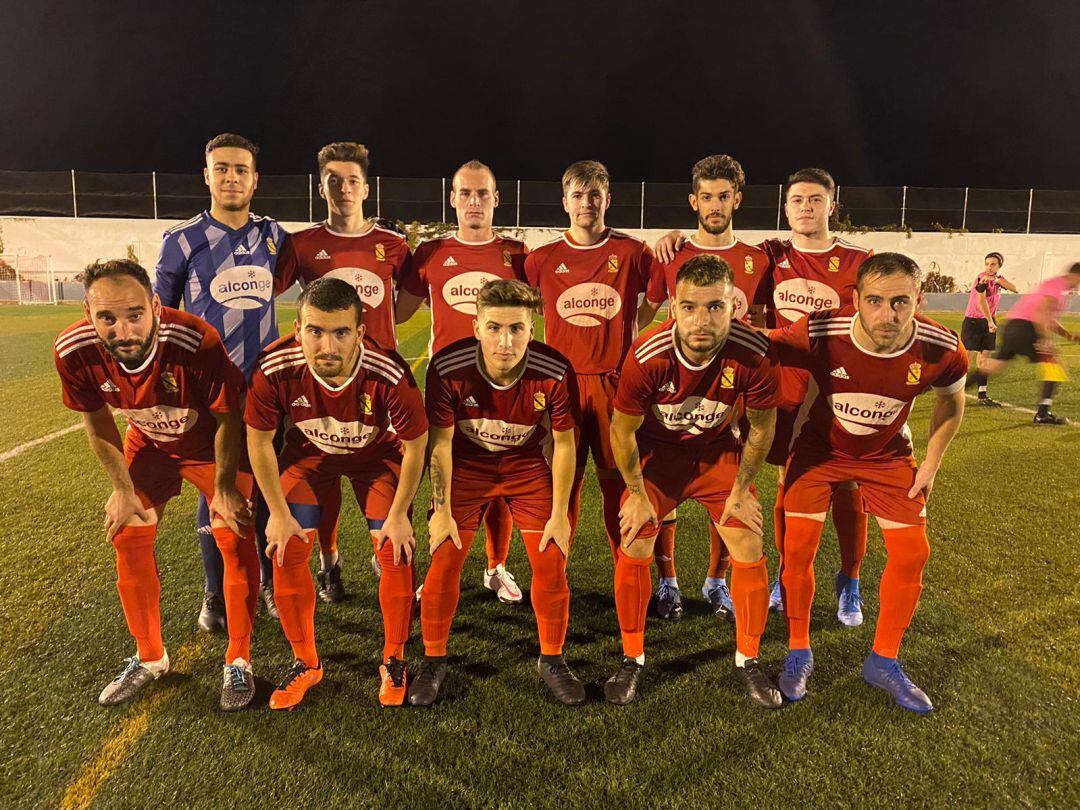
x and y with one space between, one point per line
776 599
238 686
266 593
212 614
848 600
392 682
668 602
295 685
501 581
424 688
1047 418
331 588
562 681
622 687
376 569
759 687
719 597
797 670
134 676
886 673
419 594
986 402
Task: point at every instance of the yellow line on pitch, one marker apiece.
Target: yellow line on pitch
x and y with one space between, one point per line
118 747
419 360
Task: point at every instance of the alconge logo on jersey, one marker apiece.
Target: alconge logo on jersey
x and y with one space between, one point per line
246 286
368 285
460 292
495 434
694 415
333 436
864 414
795 297
163 423
589 304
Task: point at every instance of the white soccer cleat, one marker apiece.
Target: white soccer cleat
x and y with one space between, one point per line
503 583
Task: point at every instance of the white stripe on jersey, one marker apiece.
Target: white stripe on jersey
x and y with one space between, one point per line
847 244
446 368
72 347
749 337
944 334
544 368
657 350
738 338
179 327
948 344
182 225
547 362
384 363
71 337
653 341
454 356
381 371
280 354
184 342
281 366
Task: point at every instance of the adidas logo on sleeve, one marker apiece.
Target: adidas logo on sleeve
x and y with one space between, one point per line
109 387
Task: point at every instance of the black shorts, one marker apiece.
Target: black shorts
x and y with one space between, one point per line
1018 339
976 335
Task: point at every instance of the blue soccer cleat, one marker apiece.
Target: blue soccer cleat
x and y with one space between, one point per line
797 670
776 599
719 598
848 601
668 601
886 673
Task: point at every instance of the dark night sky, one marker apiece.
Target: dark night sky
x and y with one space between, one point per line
940 94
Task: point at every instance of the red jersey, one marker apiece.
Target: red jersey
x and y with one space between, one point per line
749 264
377 404
502 428
372 262
170 400
591 297
449 274
684 403
858 401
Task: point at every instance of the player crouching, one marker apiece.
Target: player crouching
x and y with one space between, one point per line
496 402
355 412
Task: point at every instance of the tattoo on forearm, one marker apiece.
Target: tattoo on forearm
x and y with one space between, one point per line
756 448
438 483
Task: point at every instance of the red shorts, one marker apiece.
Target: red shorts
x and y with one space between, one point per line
528 494
311 482
158 476
594 395
675 473
808 486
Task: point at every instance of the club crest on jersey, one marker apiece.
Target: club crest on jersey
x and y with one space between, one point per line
365 404
834 264
727 377
914 374
169 383
748 265
589 304
507 261
380 253
613 263
270 246
539 401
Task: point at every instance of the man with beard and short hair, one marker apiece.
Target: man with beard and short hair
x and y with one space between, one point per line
168 373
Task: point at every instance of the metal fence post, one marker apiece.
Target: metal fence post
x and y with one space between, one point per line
779 203
153 191
642 225
1031 197
74 199
517 212
310 200
378 197
963 218
903 207
443 218
18 279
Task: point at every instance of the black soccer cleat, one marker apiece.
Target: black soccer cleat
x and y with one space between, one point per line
1047 418
987 402
622 687
424 688
331 588
561 680
266 593
212 614
759 687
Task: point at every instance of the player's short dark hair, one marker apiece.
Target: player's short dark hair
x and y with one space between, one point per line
473 165
995 255
718 167
232 140
113 268
889 264
346 152
704 271
329 295
1075 268
508 293
819 177
587 173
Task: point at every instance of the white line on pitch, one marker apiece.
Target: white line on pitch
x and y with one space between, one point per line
1012 407
7 455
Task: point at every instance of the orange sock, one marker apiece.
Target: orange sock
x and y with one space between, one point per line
240 586
801 538
611 491
397 595
550 593
664 550
633 588
140 589
439 599
901 585
719 558
498 526
849 517
750 593
294 592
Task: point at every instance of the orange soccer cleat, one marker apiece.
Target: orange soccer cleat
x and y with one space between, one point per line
392 683
295 685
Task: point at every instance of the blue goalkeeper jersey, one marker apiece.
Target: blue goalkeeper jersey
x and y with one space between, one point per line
227 277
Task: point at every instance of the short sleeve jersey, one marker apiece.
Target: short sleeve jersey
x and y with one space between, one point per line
591 297
858 401
364 416
697 405
749 264
170 400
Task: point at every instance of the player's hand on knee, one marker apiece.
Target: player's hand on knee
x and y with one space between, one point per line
442 527
232 507
557 531
635 513
668 245
744 507
398 530
280 529
120 508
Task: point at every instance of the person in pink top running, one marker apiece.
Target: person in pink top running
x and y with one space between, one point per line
979 331
1033 322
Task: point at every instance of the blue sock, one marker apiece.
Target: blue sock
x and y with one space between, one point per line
213 566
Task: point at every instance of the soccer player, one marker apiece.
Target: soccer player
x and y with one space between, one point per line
499 405
681 391
867 362
979 330
1030 332
168 373
716 193
356 412
590 279
449 271
364 253
223 264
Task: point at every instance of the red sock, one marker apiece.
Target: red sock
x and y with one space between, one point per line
397 595
801 538
633 588
611 491
241 588
550 593
664 550
901 585
849 517
439 599
294 593
750 593
140 589
498 526
719 558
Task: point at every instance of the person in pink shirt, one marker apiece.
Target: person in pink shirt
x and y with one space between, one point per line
1033 322
979 331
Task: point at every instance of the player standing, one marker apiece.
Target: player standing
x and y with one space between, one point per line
979 330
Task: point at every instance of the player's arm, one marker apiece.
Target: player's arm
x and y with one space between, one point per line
440 470
668 245
742 503
984 307
646 312
1008 285
171 272
637 511
755 313
945 419
411 286
228 504
123 504
563 462
406 305
397 528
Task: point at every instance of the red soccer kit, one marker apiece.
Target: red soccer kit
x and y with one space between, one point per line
449 273
749 264
373 262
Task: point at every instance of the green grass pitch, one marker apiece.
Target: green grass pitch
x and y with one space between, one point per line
994 643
